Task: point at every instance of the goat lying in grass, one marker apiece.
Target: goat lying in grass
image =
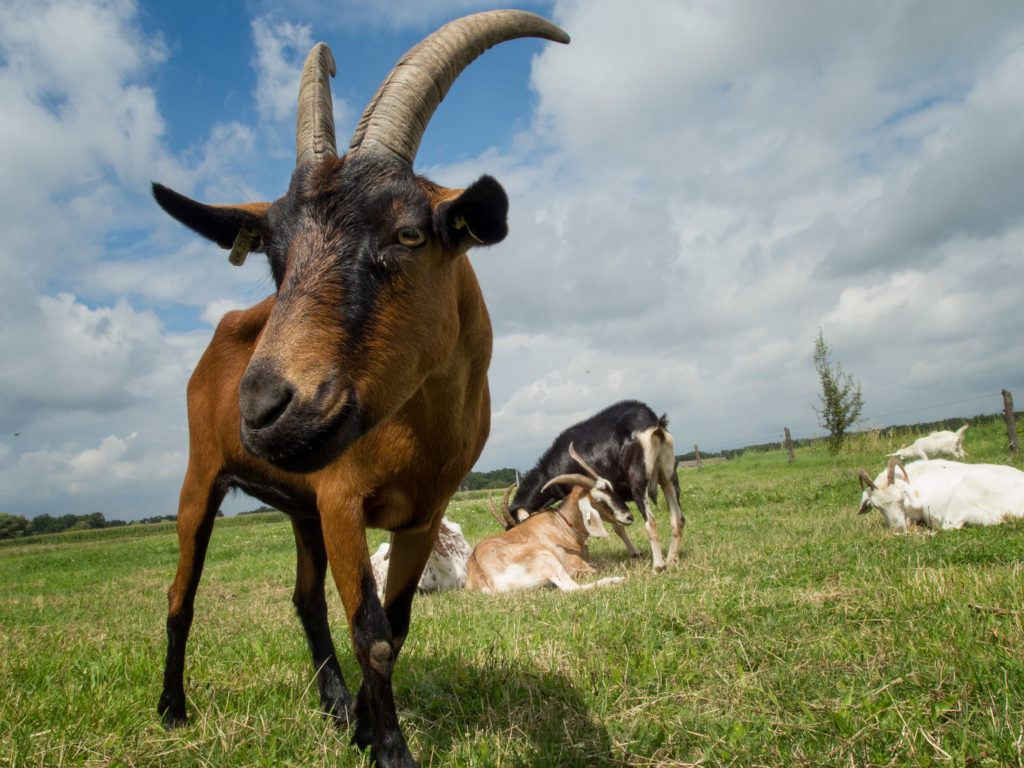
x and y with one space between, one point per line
549 547
935 444
446 566
944 494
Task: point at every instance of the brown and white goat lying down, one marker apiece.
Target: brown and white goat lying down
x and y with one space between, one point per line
549 548
446 566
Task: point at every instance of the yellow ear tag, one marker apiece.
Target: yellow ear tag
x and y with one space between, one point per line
243 245
459 222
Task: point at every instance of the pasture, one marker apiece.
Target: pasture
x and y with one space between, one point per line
793 632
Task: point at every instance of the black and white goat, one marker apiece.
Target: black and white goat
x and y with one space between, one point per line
627 445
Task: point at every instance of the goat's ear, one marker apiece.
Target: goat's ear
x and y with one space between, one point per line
592 518
479 216
238 227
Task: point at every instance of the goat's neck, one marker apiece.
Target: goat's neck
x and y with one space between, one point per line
569 513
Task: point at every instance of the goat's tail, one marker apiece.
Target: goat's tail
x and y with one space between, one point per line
659 433
661 440
960 432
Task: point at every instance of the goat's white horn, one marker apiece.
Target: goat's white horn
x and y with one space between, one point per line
398 114
583 462
581 480
314 125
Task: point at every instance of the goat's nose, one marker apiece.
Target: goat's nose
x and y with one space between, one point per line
263 395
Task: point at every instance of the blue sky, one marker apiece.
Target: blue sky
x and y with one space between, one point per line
696 187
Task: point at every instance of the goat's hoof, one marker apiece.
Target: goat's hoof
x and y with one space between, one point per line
393 753
362 734
338 711
172 712
172 720
659 568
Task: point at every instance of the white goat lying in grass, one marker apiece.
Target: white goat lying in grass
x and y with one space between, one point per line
446 567
944 494
935 444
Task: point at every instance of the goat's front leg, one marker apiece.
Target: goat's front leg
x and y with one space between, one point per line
409 553
201 495
576 566
373 639
620 531
311 606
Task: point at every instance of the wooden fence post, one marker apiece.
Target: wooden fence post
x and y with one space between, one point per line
1011 423
789 446
696 452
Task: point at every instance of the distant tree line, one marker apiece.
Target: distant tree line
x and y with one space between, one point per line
15 526
496 478
257 511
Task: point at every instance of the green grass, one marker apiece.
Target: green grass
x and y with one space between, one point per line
793 632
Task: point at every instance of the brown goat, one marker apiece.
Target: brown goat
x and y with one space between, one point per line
357 395
549 548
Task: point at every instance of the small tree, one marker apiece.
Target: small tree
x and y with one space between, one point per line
840 397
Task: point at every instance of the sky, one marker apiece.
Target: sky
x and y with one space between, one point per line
696 188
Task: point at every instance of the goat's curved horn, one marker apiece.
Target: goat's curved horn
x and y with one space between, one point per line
314 125
510 522
502 517
583 462
398 114
581 480
893 463
865 480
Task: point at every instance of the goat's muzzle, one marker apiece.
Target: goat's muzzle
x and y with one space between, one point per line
293 433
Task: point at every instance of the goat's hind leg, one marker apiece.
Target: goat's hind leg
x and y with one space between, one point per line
559 576
201 495
311 606
639 483
669 482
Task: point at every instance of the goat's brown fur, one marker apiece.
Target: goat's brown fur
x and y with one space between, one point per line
357 395
548 548
431 415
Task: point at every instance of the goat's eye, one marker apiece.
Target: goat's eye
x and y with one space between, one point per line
411 237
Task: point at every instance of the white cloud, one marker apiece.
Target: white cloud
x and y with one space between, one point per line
723 180
115 464
280 51
77 124
71 357
217 308
395 14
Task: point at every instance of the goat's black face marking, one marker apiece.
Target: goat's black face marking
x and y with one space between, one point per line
341 230
337 242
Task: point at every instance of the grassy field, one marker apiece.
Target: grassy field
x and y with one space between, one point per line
793 632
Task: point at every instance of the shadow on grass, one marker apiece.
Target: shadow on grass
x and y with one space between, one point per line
536 715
